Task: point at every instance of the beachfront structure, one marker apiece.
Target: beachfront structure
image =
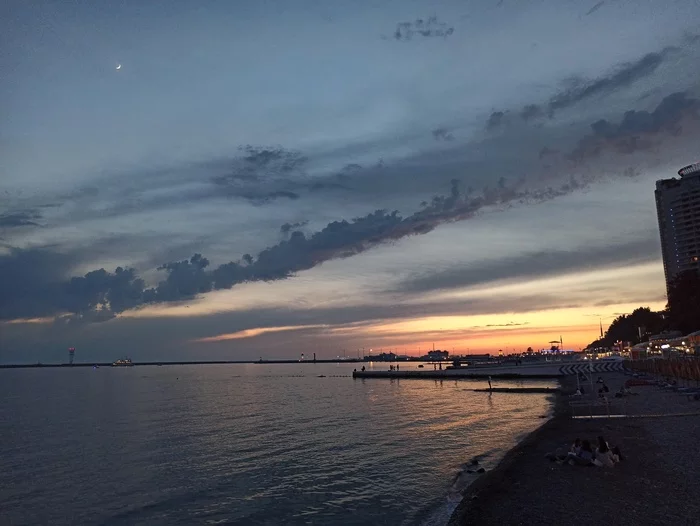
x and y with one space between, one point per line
669 344
692 341
437 355
678 212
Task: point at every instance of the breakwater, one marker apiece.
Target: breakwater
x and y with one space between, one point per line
508 371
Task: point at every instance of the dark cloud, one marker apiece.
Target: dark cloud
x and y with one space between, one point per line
666 117
347 173
531 111
20 219
534 265
101 292
264 174
495 120
637 129
34 285
631 172
579 90
258 166
442 134
260 175
288 227
185 279
429 28
350 168
28 280
276 158
595 8
623 76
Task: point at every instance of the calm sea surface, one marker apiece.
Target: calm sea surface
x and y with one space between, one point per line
245 444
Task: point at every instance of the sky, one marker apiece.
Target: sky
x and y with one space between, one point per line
235 180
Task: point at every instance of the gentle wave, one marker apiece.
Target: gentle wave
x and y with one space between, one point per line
274 445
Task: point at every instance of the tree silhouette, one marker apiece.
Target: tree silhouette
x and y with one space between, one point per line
634 328
684 301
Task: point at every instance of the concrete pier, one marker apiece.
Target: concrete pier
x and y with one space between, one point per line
535 370
518 390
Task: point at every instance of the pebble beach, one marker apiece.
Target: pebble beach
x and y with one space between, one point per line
657 483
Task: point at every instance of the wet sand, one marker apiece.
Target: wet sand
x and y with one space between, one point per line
657 483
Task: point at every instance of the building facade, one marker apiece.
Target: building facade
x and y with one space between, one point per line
678 211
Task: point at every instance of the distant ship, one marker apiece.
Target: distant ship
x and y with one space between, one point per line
124 362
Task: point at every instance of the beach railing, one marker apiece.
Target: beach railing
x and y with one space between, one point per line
590 404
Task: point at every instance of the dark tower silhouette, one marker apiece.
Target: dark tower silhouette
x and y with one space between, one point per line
678 211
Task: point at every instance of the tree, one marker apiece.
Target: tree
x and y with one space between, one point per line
634 328
684 301
530 350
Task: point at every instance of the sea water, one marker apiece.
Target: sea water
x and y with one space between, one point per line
246 444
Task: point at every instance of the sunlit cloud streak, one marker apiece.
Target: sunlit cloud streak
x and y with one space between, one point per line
252 333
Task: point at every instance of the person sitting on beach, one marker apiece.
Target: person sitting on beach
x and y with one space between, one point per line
623 392
575 447
584 456
603 455
616 453
560 457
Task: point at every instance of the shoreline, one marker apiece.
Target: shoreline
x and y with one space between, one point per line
490 480
654 484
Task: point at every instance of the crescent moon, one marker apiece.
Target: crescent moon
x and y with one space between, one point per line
119 66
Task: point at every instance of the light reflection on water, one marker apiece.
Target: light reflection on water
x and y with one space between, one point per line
245 444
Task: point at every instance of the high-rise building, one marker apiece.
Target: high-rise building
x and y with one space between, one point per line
678 211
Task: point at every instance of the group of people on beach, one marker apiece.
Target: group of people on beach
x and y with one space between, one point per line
582 453
603 390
